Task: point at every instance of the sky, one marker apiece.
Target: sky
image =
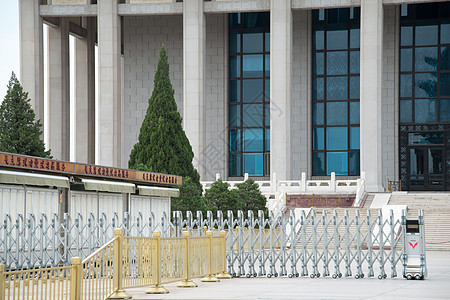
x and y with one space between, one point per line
9 43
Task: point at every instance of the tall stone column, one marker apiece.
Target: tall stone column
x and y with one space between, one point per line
194 35
109 85
85 96
280 87
59 90
32 54
371 71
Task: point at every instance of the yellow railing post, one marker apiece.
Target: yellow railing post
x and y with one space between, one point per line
187 282
118 292
76 275
224 274
2 282
157 288
210 277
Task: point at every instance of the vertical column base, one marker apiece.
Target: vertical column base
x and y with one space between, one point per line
223 275
157 289
187 283
120 294
210 278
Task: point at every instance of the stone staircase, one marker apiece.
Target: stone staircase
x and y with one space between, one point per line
436 208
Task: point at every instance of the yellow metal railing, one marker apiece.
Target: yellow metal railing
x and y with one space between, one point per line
124 262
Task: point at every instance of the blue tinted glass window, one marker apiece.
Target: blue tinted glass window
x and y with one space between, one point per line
406 111
426 85
253 90
354 38
445 58
354 87
235 20
318 64
235 42
252 42
235 90
252 65
319 39
267 42
337 138
445 32
252 115
426 35
267 115
406 60
354 138
235 140
354 163
253 164
337 39
318 138
444 84
267 139
318 88
267 65
337 162
318 163
445 110
406 36
235 164
337 88
267 90
337 62
337 113
318 113
426 59
354 62
425 111
253 140
253 20
235 116
235 66
406 85
354 113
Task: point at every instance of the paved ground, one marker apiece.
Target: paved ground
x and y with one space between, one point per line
436 286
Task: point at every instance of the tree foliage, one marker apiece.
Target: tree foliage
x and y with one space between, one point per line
190 199
19 132
250 198
218 197
162 144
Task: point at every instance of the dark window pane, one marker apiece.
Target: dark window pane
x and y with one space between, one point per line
318 39
267 115
426 85
354 113
445 110
337 113
318 113
406 36
354 138
444 84
427 11
354 87
354 62
267 90
267 140
426 59
252 41
318 16
445 58
337 88
426 35
235 165
337 15
267 42
425 138
253 20
235 42
318 163
425 111
406 85
406 111
235 140
445 32
235 91
235 66
337 62
253 164
253 90
318 88
337 39
318 64
406 60
435 161
252 65
253 140
417 161
337 162
252 115
318 138
267 65
235 20
235 116
337 138
444 9
354 163
354 38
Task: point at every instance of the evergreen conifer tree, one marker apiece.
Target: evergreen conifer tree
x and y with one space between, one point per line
19 132
162 144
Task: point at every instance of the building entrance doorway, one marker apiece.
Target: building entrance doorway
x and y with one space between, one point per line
426 168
